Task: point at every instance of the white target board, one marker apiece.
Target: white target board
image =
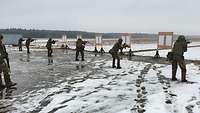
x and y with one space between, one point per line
98 40
126 39
165 40
64 38
79 36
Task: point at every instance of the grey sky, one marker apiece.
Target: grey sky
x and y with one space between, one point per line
180 16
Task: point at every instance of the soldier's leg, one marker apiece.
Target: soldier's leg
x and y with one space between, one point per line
20 49
28 50
113 63
118 62
48 53
174 69
82 55
77 53
1 82
183 70
6 74
51 51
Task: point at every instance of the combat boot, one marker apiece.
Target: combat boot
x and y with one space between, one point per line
2 86
118 64
183 76
8 81
10 84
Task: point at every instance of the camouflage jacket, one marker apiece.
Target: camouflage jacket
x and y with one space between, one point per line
28 41
3 53
117 46
80 44
180 46
49 43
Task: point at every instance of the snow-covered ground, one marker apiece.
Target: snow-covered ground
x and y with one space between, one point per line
137 87
61 85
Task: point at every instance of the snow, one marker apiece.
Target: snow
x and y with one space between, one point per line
114 91
94 86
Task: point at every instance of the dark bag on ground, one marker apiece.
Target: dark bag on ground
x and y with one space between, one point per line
170 55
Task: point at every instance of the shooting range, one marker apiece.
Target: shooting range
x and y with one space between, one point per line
165 40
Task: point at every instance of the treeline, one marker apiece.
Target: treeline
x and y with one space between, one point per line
33 33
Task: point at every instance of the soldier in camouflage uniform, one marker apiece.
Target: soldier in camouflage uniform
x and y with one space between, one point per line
20 43
49 46
28 41
80 45
4 66
115 52
180 46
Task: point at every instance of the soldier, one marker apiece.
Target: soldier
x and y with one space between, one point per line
49 45
115 52
156 56
180 46
20 43
102 51
28 41
4 66
80 45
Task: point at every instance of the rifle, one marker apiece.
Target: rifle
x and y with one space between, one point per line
188 42
125 46
54 41
32 40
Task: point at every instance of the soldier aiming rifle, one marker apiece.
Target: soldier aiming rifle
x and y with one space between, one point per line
20 43
28 41
115 52
49 46
80 46
177 57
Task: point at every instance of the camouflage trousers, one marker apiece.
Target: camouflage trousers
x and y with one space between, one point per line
182 65
115 56
77 54
50 51
4 68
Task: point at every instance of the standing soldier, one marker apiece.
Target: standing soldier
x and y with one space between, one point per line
115 52
20 43
80 45
4 66
28 41
49 46
180 46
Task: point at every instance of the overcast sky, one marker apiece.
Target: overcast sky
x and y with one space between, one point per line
152 16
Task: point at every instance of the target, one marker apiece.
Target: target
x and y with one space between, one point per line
165 40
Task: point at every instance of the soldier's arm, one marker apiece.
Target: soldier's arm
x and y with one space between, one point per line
185 47
84 42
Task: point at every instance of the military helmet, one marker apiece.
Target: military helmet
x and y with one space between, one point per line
120 40
181 38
